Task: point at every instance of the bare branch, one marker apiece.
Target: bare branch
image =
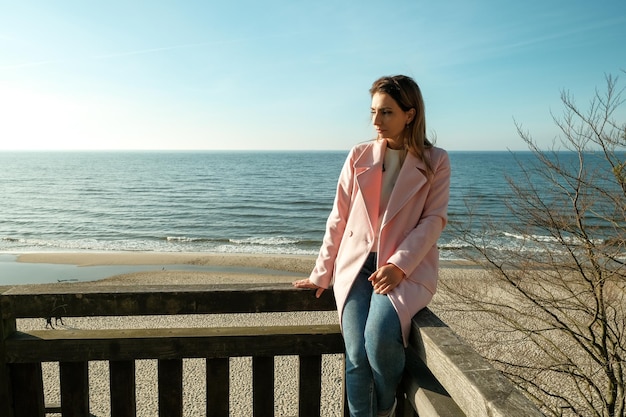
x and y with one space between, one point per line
560 296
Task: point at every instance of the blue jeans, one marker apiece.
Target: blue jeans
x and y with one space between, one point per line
374 347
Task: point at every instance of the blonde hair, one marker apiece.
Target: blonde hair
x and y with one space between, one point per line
405 91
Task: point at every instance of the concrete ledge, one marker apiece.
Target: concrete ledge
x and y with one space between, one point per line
476 386
426 395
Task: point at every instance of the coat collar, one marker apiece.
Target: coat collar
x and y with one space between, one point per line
368 171
411 179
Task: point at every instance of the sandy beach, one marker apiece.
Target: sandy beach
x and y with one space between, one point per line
227 268
291 263
240 267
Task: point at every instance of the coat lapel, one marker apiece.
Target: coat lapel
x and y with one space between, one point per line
411 179
368 170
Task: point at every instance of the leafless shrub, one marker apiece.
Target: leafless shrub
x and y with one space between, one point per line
553 309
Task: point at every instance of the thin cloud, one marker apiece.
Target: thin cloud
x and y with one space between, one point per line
160 49
458 48
569 33
110 56
146 51
197 45
30 64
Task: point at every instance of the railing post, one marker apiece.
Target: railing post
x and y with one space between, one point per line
27 385
7 327
263 386
170 373
74 378
310 387
123 388
217 386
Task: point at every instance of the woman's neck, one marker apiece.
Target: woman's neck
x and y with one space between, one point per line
395 144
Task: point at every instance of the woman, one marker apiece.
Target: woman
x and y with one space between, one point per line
379 251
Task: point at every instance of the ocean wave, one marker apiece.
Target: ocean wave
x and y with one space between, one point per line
271 241
569 240
268 245
194 239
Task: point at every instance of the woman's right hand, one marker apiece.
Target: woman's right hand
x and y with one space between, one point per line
306 283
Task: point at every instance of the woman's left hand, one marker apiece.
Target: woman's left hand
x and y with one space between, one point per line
386 278
306 283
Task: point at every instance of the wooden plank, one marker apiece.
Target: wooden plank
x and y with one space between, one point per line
263 386
7 328
123 389
6 393
84 300
424 393
476 386
170 388
310 387
27 383
74 389
66 345
217 387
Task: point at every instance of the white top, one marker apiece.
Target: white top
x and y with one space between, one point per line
391 169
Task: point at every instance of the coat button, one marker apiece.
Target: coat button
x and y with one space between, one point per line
351 233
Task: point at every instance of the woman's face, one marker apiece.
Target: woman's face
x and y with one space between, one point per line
389 119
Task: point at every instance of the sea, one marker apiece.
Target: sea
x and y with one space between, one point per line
243 202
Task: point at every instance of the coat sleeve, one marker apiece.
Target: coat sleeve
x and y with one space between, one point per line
322 274
417 244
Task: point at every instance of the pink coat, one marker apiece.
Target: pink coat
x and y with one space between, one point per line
415 218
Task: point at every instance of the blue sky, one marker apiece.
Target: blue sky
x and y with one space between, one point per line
292 74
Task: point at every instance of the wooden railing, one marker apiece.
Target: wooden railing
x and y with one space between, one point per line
444 376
